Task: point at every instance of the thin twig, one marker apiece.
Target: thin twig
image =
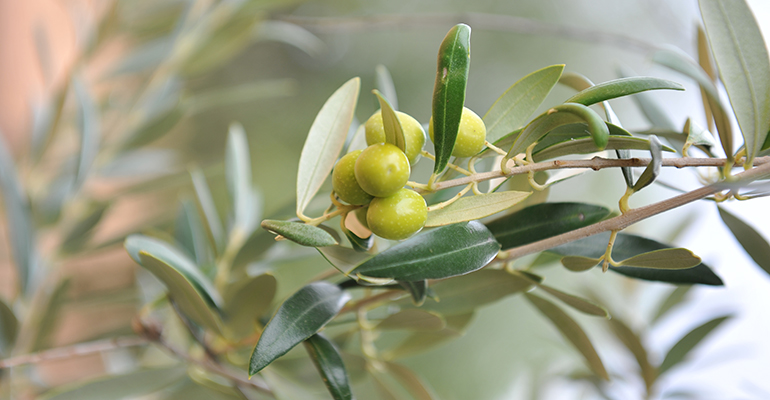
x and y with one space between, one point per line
77 350
637 214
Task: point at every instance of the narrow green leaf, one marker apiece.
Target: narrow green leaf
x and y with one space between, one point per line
586 145
359 243
248 302
328 361
571 331
50 317
475 207
650 107
411 382
246 205
89 127
46 120
177 260
583 305
418 290
677 258
342 258
752 241
185 292
744 66
413 319
653 168
297 232
79 233
621 87
441 253
677 296
679 351
419 342
634 344
541 221
190 233
579 263
301 316
254 247
216 230
154 128
627 246
384 83
454 58
324 141
697 135
512 109
394 134
133 384
9 328
145 163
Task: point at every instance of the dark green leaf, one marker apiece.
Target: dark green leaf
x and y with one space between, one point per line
384 83
50 318
328 361
216 230
683 347
246 204
191 234
133 384
586 145
542 221
306 235
88 125
79 234
418 290
441 253
302 315
475 207
653 168
358 243
744 67
676 258
324 141
9 327
177 260
413 319
634 344
571 331
248 302
621 87
394 134
454 58
754 244
411 382
627 246
512 109
677 296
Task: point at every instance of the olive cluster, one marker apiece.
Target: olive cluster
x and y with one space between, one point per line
375 177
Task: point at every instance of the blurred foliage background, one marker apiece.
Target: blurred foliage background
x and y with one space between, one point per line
168 77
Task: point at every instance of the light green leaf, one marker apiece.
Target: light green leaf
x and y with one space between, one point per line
586 145
541 221
216 230
475 207
679 351
154 128
744 66
324 141
411 382
634 344
579 263
454 57
677 296
297 232
185 292
441 253
328 361
384 83
512 109
583 305
394 134
301 316
752 241
342 258
627 246
575 131
9 328
89 127
697 135
131 385
413 319
653 168
621 87
419 342
571 331
190 233
79 233
677 258
50 318
248 302
246 205
146 163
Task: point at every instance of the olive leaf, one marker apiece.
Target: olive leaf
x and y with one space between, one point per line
677 258
190 233
419 342
297 232
328 361
634 344
475 207
410 381
90 130
418 290
394 133
682 348
441 253
214 226
449 91
621 87
51 315
697 136
384 83
650 107
752 242
9 328
130 385
79 233
579 263
742 59
324 141
653 168
301 316
246 203
675 297
586 145
413 319
247 302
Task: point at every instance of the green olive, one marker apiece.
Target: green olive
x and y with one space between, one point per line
382 169
470 136
398 216
414 135
344 180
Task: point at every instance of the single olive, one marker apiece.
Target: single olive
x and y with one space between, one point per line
382 169
397 216
344 180
470 136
